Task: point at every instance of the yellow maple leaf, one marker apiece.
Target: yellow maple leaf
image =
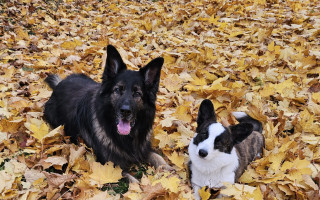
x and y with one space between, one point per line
167 122
177 159
249 176
169 59
148 25
171 184
50 20
271 46
164 139
186 134
276 160
69 45
38 128
22 34
267 91
54 132
240 191
172 82
214 20
284 85
235 33
75 155
286 189
182 112
257 194
316 97
307 122
294 170
310 139
198 81
204 193
106 173
101 195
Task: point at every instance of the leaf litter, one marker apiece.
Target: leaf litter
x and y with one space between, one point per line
261 57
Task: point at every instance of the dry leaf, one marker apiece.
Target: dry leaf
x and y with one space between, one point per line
106 173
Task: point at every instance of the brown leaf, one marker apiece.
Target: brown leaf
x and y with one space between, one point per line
58 180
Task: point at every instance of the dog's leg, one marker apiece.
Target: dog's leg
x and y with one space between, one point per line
130 177
73 137
196 192
156 160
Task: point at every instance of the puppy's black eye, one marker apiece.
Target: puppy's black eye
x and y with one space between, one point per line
205 134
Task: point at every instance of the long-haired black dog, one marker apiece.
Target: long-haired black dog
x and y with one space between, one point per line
115 117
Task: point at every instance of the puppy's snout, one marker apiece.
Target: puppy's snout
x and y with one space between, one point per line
125 110
203 153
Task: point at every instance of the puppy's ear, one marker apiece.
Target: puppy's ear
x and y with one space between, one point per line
240 132
114 63
206 112
151 74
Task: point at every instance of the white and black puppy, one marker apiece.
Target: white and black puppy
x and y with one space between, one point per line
221 154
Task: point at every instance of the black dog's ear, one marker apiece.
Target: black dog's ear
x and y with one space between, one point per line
114 63
151 72
206 112
240 132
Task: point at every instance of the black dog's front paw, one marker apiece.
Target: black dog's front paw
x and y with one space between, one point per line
131 178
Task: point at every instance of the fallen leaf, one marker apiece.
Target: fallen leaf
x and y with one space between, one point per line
204 193
106 173
177 159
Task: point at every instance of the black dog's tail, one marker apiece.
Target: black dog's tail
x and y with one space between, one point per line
53 80
243 117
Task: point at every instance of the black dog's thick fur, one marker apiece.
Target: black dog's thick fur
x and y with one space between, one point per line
115 117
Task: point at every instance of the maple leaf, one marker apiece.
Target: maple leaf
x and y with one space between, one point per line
38 128
106 173
239 191
165 139
177 159
6 181
103 195
170 183
75 156
182 112
32 175
57 180
204 193
56 161
167 122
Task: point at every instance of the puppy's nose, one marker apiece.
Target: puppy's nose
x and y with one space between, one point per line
125 110
203 153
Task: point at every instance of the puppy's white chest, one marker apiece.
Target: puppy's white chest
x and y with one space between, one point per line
214 178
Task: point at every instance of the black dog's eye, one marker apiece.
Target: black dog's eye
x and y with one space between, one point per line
119 89
116 90
137 94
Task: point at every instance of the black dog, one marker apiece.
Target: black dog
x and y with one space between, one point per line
115 117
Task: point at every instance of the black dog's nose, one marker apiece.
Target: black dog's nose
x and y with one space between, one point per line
125 110
203 153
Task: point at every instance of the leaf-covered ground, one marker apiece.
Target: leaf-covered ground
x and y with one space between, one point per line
262 57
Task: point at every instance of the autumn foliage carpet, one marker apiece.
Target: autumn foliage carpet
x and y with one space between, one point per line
262 57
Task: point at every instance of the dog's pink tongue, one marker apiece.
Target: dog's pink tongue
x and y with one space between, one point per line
124 127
